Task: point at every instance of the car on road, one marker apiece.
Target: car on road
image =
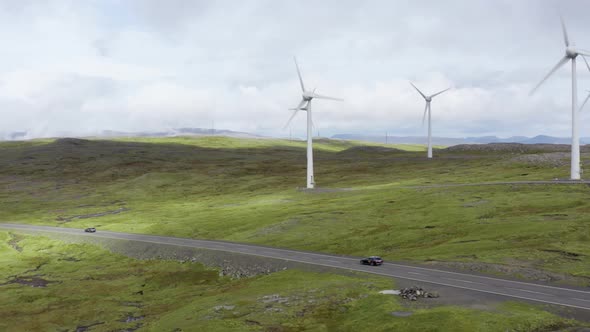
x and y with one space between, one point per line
372 260
90 230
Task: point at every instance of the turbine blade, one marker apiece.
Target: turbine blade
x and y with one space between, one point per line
290 119
315 95
582 52
438 93
424 116
299 74
298 107
587 65
420 92
565 37
585 101
553 70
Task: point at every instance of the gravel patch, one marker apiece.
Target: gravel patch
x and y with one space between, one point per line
512 148
230 264
130 318
91 215
84 328
553 159
224 307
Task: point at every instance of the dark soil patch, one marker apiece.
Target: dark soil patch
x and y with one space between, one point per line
466 241
92 215
36 269
28 281
70 259
84 328
555 216
131 329
567 254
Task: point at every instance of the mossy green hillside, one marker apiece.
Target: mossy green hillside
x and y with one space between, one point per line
245 190
87 286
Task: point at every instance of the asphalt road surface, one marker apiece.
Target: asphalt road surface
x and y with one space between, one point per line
570 297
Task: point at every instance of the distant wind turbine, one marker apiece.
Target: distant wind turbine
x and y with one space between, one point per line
305 105
428 99
571 52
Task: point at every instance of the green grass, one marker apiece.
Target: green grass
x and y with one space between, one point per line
220 142
245 190
89 285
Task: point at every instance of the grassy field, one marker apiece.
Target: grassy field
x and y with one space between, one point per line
47 285
246 190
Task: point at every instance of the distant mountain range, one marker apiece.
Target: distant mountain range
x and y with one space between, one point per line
181 132
448 141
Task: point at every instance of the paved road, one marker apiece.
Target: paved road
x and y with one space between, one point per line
576 298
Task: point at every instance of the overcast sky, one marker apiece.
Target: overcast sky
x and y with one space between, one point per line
80 67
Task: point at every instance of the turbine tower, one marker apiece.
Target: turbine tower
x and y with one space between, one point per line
305 105
428 99
571 52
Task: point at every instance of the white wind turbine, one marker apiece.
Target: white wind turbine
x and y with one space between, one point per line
305 105
428 99
571 52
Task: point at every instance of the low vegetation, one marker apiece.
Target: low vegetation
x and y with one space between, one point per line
382 200
48 285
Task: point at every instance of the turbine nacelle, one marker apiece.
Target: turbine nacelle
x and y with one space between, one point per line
571 52
428 99
308 95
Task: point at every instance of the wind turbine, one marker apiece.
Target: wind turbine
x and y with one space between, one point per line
428 99
571 52
305 105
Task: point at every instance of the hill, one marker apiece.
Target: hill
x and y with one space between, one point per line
395 204
245 190
449 141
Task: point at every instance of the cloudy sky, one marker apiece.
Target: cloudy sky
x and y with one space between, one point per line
80 67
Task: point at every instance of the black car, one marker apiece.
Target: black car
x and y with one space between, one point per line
373 260
90 230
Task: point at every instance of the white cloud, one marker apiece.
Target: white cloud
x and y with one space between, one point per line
82 67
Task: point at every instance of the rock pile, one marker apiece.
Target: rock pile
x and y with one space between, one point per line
413 293
553 159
